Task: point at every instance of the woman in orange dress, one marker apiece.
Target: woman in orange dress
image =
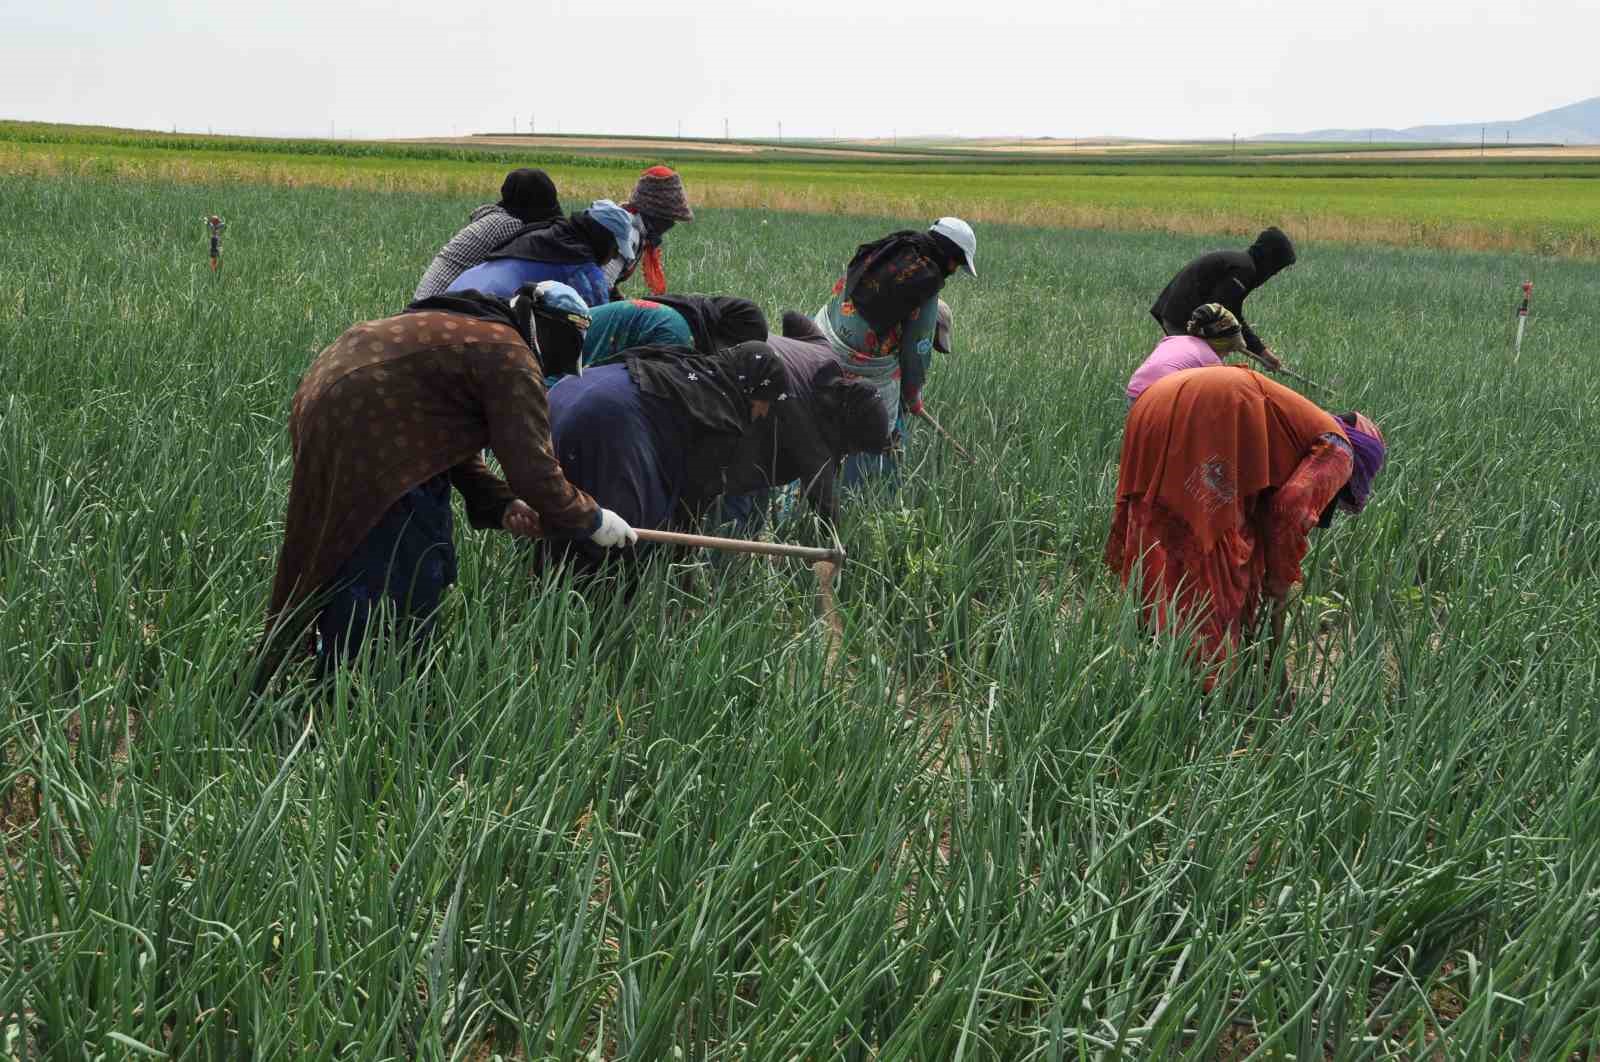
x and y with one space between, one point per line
1224 474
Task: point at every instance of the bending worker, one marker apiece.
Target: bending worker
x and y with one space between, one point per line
386 421
1226 277
587 251
884 312
527 197
1223 475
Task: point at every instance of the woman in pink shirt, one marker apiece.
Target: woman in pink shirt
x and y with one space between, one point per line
1214 333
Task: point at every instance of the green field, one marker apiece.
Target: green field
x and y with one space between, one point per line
1004 825
1491 204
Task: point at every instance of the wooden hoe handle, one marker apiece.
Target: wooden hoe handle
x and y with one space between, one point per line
741 545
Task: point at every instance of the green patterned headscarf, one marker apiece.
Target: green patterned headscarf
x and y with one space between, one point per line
1216 324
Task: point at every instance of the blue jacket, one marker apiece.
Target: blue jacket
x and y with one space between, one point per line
503 276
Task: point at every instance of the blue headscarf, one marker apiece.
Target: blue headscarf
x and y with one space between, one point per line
619 223
556 299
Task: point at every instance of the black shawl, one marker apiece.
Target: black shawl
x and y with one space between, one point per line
714 392
822 418
717 321
474 303
578 238
889 278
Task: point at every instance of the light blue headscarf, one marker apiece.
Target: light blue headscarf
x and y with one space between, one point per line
554 297
620 224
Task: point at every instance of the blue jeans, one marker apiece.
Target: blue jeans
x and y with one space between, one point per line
409 558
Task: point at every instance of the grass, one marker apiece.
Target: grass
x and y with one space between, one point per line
1536 206
1002 827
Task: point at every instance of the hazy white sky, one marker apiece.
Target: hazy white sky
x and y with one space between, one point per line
1151 68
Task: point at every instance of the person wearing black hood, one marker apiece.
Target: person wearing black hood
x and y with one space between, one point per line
385 422
1226 277
822 419
624 432
527 197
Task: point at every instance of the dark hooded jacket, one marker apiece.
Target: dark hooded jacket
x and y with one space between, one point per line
820 419
1225 277
574 239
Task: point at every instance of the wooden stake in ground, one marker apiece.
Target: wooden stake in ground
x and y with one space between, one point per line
1522 319
215 224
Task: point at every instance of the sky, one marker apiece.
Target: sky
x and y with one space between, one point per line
1138 68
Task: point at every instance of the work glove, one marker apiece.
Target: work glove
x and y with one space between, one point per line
613 531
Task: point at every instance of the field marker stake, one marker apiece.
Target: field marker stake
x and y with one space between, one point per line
1522 318
215 225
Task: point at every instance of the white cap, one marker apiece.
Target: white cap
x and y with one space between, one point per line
959 233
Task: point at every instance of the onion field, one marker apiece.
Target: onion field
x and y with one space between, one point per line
1002 824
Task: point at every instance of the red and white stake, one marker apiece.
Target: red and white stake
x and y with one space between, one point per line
1522 317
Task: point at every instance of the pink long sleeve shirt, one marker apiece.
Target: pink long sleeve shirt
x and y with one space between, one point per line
1172 354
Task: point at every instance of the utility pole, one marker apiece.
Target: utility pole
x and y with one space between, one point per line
1483 139
724 129
1236 143
680 128
780 132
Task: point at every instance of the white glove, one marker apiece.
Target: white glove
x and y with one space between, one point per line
613 531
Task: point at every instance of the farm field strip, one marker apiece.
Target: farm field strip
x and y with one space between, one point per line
1538 207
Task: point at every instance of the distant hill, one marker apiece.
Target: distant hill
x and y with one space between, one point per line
1576 123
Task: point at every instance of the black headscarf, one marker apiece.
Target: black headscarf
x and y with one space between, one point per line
1272 253
713 391
573 239
529 196
717 321
889 278
850 413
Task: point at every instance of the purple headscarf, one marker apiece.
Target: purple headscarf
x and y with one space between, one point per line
1369 452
